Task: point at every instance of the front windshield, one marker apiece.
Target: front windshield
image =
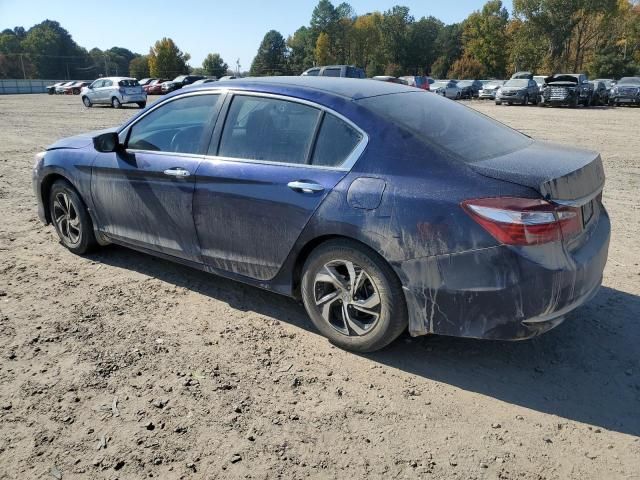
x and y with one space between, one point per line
630 80
494 84
465 83
180 78
440 84
517 83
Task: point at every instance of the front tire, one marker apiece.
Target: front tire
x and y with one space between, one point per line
142 104
115 103
87 102
70 218
498 102
353 297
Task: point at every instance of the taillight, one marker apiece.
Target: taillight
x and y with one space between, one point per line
524 221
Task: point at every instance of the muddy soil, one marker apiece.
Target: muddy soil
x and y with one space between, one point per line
120 365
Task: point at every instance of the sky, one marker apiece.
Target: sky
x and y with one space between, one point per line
234 29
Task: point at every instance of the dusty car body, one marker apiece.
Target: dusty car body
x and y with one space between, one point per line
567 89
497 237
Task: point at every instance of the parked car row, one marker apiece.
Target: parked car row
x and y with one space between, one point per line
73 87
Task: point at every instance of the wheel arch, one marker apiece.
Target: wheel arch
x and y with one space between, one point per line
316 242
45 189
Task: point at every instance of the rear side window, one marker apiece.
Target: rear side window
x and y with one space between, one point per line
331 72
336 140
107 83
448 125
259 128
176 127
128 83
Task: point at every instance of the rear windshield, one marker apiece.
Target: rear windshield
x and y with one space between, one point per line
128 83
516 83
630 80
448 125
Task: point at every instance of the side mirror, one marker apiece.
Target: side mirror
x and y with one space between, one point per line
107 142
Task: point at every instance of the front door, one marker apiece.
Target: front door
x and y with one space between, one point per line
143 195
270 174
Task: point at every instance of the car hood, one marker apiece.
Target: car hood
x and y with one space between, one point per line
79 141
512 89
556 172
561 79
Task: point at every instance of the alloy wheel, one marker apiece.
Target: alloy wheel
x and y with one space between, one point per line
66 218
347 297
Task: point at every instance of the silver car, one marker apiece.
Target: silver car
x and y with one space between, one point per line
489 89
114 91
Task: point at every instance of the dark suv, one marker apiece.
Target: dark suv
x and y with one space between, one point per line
569 89
348 71
626 91
179 82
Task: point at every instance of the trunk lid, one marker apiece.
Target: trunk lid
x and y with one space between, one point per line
560 174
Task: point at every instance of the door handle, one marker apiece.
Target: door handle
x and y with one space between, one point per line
305 187
177 172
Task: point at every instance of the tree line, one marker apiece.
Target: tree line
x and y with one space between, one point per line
47 50
599 37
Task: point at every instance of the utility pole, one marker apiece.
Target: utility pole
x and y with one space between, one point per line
68 72
22 63
106 68
238 68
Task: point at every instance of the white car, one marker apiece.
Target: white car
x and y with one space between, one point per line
446 88
114 91
489 89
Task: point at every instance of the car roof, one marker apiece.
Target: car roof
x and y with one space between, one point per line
350 88
117 78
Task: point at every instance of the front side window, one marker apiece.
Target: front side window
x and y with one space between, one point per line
107 83
260 128
336 140
313 73
331 72
96 84
178 126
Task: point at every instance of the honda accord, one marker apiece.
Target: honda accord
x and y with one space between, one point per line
357 197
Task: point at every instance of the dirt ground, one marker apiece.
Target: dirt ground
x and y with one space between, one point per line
120 365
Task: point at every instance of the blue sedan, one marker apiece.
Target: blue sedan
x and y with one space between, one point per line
357 197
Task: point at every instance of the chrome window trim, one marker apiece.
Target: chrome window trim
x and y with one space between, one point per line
123 133
345 166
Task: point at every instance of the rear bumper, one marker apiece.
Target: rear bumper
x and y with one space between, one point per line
503 293
142 97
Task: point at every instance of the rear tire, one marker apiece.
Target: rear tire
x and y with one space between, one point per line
353 297
525 100
70 218
87 102
498 103
142 104
115 103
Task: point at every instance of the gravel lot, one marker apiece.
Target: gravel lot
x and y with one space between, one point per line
119 365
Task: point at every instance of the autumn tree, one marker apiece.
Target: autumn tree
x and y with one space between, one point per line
485 38
213 65
166 60
323 50
467 67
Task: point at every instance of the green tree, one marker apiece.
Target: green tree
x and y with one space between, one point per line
449 47
52 50
301 50
485 37
421 51
213 65
166 60
272 56
139 67
10 55
394 34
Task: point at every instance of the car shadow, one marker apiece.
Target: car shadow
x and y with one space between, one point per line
586 370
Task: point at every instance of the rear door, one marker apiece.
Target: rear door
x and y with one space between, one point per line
272 162
143 195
